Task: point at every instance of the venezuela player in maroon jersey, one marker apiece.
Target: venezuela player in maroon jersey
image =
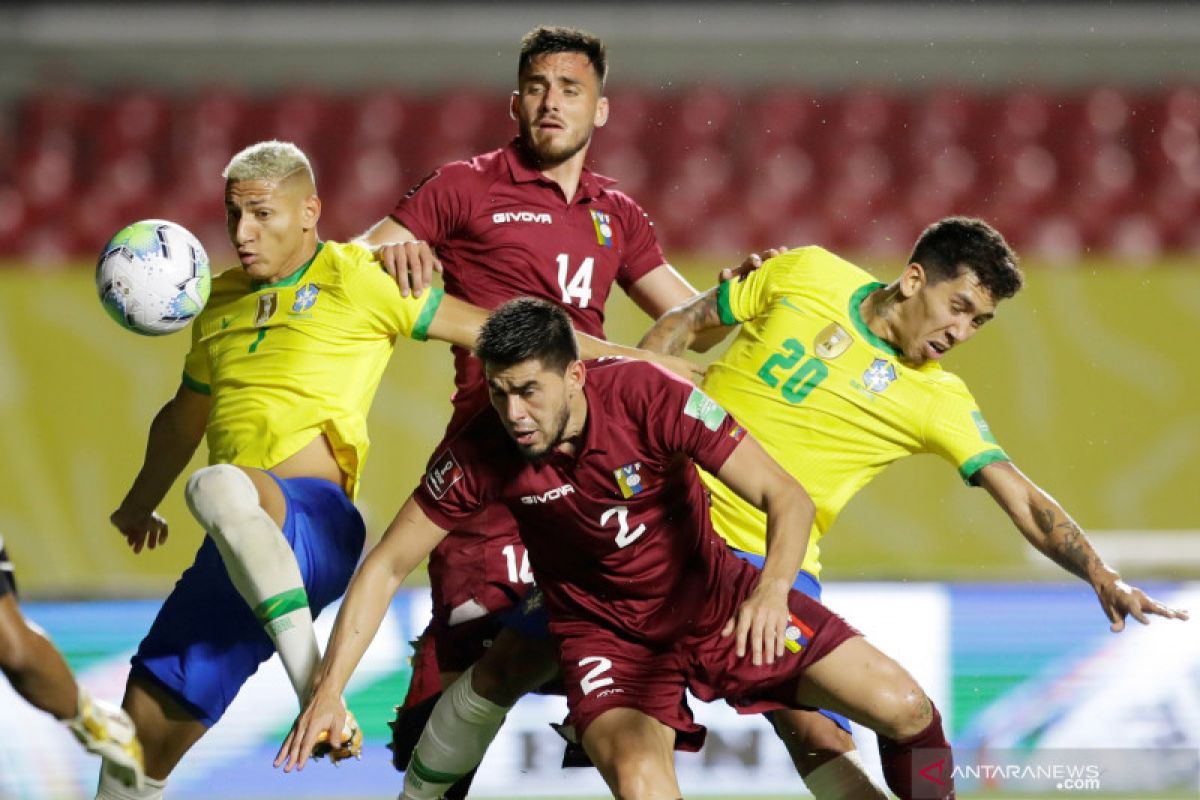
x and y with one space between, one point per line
527 219
594 461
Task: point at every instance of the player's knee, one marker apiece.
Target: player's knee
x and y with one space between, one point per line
640 776
219 494
907 713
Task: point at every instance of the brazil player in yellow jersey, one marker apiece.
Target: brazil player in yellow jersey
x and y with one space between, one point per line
838 376
285 360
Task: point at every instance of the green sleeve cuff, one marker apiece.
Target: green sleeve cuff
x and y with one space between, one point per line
723 307
420 330
978 462
195 385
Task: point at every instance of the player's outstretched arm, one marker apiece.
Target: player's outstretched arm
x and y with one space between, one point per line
410 261
408 540
458 322
663 289
174 436
759 480
677 329
1051 530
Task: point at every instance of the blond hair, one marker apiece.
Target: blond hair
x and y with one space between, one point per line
268 161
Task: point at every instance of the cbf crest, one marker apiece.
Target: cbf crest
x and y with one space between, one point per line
306 297
879 375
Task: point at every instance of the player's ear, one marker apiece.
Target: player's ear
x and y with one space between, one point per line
576 374
601 118
514 102
912 280
310 211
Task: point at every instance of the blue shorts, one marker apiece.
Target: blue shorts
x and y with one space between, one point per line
206 642
805 583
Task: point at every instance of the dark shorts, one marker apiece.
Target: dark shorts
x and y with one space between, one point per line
604 670
205 642
805 582
8 580
476 580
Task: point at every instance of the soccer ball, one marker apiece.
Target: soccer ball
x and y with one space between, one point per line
153 277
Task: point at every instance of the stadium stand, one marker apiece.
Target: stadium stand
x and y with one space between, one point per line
1062 172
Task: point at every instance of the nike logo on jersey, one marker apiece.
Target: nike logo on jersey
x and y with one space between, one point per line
501 217
549 495
784 301
227 321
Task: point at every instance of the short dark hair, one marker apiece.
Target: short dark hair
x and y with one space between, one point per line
556 39
525 329
952 244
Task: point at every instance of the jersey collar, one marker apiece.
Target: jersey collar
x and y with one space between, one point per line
591 185
856 300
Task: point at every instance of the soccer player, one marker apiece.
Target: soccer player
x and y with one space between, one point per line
525 220
38 672
285 361
594 462
839 376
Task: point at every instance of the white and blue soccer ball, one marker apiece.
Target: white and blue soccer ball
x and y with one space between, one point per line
153 277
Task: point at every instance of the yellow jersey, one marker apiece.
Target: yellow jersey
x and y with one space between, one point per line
286 362
826 397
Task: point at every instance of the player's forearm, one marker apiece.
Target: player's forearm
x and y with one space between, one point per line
1052 531
358 620
169 447
695 323
790 515
672 334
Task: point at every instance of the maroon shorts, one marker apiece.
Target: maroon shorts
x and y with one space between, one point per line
475 579
604 670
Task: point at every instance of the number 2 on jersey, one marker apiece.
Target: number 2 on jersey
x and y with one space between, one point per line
579 287
800 382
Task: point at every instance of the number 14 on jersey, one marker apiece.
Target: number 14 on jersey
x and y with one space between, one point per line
575 288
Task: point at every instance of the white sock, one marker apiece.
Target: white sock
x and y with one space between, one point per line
843 778
112 789
261 565
457 735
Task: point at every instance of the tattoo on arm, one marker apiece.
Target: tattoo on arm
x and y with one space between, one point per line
1065 542
677 328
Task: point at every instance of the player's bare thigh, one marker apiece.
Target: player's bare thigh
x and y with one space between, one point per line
314 460
859 681
635 753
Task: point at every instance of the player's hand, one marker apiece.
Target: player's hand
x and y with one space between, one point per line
411 264
752 262
324 713
762 620
140 528
680 366
1119 599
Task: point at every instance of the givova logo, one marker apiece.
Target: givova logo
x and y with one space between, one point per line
542 217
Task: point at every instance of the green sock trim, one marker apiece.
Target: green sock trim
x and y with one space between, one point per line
281 604
428 775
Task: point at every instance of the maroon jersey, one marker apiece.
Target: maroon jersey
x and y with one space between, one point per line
619 531
503 230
